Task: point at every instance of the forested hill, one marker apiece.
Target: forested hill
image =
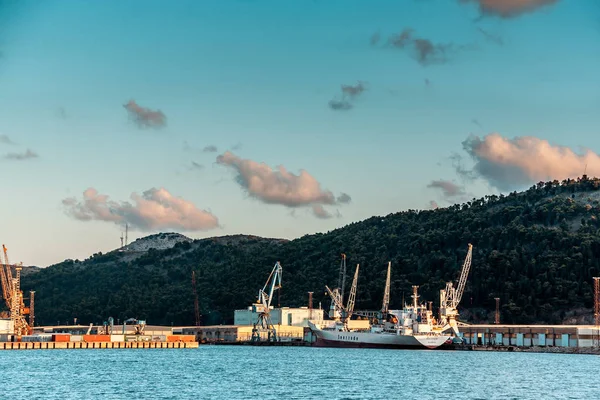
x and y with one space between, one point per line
537 250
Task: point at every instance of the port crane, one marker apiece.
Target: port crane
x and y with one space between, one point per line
263 306
450 296
338 292
345 312
13 295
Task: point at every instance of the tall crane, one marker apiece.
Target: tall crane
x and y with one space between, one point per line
263 306
338 292
13 295
451 296
345 311
196 303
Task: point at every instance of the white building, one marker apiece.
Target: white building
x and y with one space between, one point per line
6 327
279 316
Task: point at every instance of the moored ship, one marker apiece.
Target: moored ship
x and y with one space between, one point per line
412 327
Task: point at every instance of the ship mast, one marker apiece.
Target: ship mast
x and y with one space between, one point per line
415 297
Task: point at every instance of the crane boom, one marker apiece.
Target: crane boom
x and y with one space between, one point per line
7 264
386 293
335 298
6 288
342 278
463 275
275 279
352 297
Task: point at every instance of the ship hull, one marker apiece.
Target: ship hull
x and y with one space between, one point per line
342 339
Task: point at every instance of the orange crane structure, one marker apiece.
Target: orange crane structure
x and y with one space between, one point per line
13 295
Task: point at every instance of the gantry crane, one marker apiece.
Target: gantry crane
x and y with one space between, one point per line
263 306
345 312
451 296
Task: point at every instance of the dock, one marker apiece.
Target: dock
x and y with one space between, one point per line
96 345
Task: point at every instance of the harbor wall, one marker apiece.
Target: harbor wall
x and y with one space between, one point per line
96 345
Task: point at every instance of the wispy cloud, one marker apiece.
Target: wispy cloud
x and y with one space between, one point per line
509 8
279 186
155 209
4 139
349 94
448 188
375 38
344 198
424 50
145 117
490 37
29 154
61 113
196 166
320 212
340 105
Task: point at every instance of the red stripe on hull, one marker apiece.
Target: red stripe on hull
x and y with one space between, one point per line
358 345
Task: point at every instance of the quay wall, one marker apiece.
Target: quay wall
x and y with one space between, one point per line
96 345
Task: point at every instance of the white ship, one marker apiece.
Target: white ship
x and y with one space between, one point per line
410 328
413 327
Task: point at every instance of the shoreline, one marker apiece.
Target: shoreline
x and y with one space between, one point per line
531 349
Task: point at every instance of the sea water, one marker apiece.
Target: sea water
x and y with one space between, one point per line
245 372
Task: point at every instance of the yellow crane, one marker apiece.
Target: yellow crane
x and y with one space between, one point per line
13 296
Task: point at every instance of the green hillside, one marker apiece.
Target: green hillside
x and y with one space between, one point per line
537 250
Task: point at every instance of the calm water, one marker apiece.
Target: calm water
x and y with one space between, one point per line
224 372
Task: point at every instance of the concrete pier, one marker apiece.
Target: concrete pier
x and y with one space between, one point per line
96 345
522 336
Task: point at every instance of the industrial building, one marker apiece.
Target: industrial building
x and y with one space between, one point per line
532 335
279 316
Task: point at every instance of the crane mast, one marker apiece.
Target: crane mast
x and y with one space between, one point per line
196 303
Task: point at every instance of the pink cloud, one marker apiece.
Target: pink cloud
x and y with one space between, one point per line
279 186
509 8
513 163
155 209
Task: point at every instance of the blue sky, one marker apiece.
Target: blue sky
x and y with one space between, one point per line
255 78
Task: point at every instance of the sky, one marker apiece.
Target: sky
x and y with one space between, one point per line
280 119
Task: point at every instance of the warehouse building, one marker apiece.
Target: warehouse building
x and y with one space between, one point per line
284 316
